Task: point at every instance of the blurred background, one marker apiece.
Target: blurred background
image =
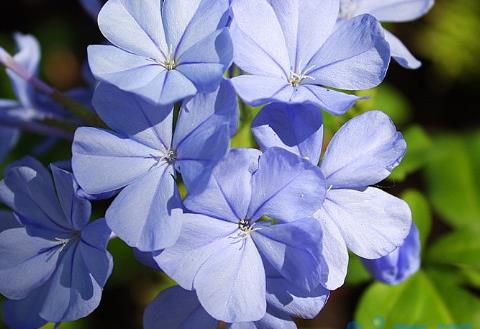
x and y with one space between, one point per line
437 109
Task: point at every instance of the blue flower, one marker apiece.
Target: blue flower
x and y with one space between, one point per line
224 251
399 265
164 51
141 156
53 262
177 308
370 222
295 52
390 11
92 7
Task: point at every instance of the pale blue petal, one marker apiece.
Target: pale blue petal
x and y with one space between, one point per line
284 297
306 25
269 321
205 62
295 128
231 283
209 17
293 249
134 26
28 189
400 53
280 190
116 160
28 57
259 43
26 262
356 56
77 211
363 152
227 195
130 115
147 214
257 90
200 238
372 222
395 10
177 308
23 313
400 264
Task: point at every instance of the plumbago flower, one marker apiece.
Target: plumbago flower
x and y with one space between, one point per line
177 308
53 262
370 222
225 251
164 51
295 52
399 265
390 11
29 105
142 155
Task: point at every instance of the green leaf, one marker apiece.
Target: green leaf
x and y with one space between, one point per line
413 302
460 248
418 152
357 274
451 184
421 213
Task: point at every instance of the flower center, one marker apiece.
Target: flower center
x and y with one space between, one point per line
348 8
296 79
169 157
168 61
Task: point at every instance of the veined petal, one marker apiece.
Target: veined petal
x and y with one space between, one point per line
177 308
400 53
116 160
363 152
134 26
134 117
200 238
372 222
231 283
395 10
257 90
259 43
229 189
293 250
147 214
295 128
26 262
306 25
356 56
280 190
23 313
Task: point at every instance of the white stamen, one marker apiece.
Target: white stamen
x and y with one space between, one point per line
296 79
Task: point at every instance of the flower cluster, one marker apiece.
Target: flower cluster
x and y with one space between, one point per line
262 236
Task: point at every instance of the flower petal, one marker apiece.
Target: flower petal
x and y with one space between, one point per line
363 152
396 10
147 214
257 90
228 192
295 128
259 43
134 26
26 262
77 210
130 115
280 190
372 222
306 25
231 283
293 250
400 53
117 161
200 238
8 140
400 264
356 56
177 308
